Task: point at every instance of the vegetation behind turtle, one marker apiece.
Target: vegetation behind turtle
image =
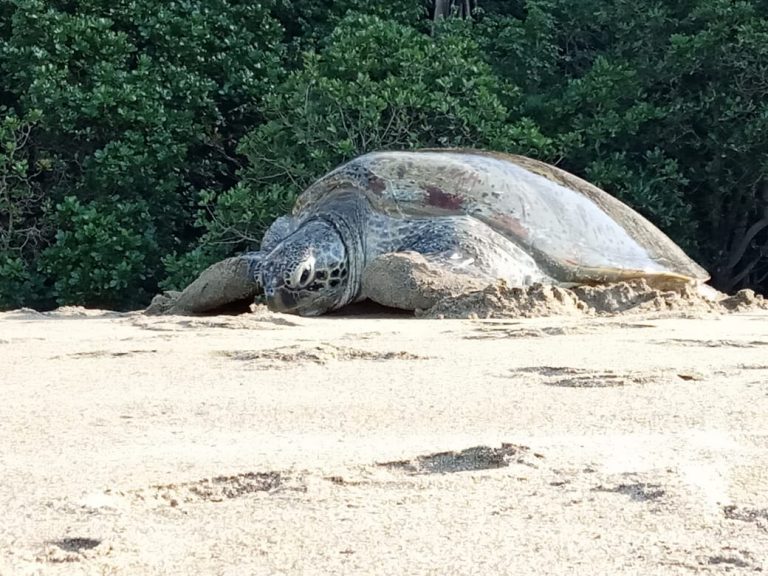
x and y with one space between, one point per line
141 142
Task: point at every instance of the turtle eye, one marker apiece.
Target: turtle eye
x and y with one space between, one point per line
304 274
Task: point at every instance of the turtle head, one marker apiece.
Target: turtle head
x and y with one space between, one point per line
308 273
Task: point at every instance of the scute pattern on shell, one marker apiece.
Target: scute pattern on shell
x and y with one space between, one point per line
575 230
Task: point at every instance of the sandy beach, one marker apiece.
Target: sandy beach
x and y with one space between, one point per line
271 444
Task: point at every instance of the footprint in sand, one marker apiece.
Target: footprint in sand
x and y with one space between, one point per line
217 489
637 491
295 355
503 330
580 378
757 516
104 354
469 459
713 343
73 549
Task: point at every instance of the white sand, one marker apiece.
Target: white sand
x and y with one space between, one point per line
647 445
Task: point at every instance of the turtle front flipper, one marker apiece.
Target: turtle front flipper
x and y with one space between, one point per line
413 281
227 286
446 257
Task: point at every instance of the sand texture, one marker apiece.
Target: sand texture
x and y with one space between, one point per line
261 444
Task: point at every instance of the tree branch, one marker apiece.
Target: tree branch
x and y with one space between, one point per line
737 253
734 281
442 9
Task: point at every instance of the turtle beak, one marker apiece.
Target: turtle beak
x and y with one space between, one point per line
288 302
279 300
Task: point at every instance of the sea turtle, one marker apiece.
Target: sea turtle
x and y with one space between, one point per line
487 214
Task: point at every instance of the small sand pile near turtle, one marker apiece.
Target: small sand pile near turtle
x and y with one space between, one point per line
500 301
409 281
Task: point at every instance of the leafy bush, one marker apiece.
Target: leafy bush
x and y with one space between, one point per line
103 253
154 138
21 202
309 23
140 103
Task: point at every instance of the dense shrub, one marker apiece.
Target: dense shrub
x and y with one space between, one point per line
22 202
309 23
104 253
142 140
141 103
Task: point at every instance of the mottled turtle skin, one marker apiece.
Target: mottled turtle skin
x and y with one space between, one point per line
482 213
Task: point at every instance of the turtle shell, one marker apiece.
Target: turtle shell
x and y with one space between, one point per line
573 229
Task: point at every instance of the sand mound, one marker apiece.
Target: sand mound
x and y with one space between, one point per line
502 301
409 281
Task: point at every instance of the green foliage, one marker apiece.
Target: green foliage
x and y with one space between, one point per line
140 102
21 202
309 22
102 253
377 84
715 79
141 141
20 197
21 285
234 221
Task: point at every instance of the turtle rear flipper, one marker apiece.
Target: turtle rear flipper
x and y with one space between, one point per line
227 286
